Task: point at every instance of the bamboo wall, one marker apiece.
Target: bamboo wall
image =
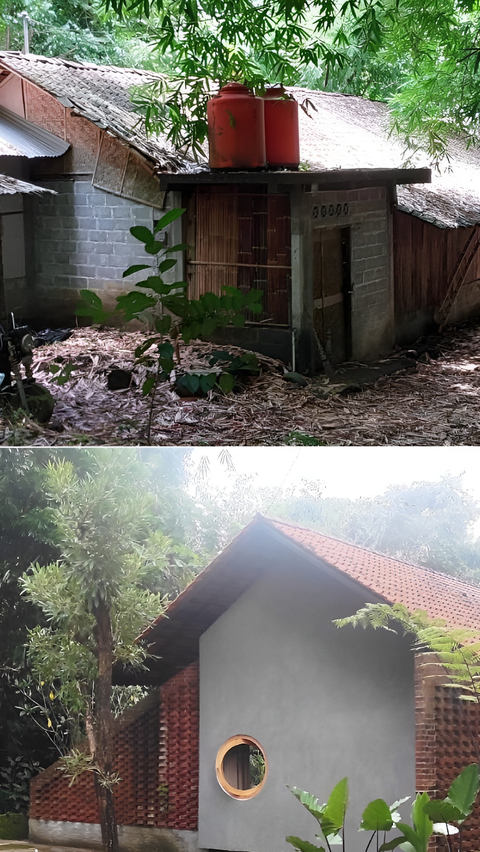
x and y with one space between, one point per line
241 239
424 258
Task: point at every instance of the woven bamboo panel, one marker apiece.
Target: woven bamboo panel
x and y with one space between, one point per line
241 239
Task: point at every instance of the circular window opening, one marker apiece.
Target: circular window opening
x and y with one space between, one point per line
241 767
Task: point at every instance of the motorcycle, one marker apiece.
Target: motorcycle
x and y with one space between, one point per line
16 350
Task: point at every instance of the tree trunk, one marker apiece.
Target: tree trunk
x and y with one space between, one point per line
103 729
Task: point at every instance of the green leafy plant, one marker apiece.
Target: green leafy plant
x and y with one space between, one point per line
300 439
227 370
457 648
199 382
166 309
380 818
14 783
61 374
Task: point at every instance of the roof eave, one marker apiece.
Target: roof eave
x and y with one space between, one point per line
324 179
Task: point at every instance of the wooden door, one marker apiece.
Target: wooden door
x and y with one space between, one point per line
332 291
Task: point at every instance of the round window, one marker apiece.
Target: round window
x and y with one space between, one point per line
241 767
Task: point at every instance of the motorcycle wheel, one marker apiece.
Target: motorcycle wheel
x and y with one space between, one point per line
40 400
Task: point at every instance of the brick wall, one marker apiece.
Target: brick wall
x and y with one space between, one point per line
445 726
156 750
365 212
83 241
179 749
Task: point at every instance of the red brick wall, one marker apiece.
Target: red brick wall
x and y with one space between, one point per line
156 758
446 729
178 750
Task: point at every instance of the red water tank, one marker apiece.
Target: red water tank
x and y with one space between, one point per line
281 129
236 129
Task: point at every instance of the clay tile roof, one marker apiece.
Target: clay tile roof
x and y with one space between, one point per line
439 594
174 635
101 94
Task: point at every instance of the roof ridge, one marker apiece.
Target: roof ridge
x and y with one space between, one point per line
435 571
323 93
81 64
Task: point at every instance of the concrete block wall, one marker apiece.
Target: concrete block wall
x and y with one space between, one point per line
83 241
366 213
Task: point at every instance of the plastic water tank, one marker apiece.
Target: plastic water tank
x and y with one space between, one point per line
281 129
236 129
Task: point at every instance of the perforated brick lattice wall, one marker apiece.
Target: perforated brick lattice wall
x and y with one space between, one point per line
156 749
446 729
178 750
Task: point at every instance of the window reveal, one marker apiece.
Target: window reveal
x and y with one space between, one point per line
241 767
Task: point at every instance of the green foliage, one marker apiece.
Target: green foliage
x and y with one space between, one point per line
428 523
113 553
167 310
165 307
229 368
13 826
237 365
379 817
456 650
61 374
14 788
76 30
300 439
463 792
34 721
330 816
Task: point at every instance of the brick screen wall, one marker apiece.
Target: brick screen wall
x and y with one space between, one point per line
445 728
178 750
156 757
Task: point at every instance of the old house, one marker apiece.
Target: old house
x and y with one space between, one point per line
14 197
318 243
253 688
70 128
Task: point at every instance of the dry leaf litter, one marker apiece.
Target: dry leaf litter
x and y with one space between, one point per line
438 403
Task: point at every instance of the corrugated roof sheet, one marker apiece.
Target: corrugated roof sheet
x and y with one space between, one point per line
19 137
12 186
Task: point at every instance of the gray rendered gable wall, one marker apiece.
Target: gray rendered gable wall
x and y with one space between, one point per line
323 703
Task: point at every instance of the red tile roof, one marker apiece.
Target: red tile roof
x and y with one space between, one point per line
174 635
439 594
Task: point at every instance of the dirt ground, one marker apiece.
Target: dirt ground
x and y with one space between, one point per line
436 403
